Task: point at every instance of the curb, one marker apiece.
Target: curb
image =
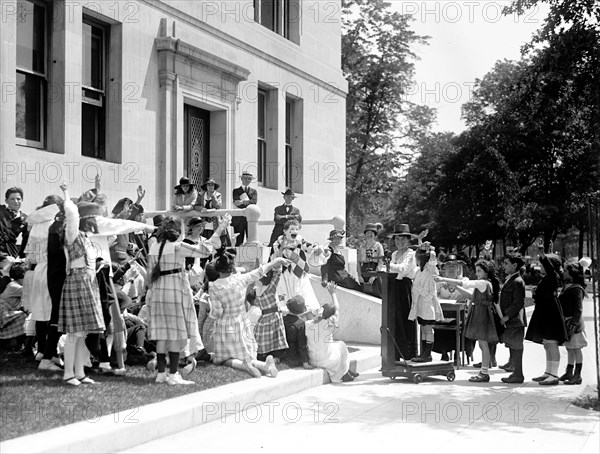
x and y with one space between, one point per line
118 432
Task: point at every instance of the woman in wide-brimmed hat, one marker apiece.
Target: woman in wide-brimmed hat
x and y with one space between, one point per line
210 199
185 195
335 268
403 263
370 258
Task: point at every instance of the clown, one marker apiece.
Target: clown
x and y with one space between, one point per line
294 280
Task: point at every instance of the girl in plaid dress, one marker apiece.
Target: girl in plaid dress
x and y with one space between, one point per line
170 301
234 343
80 311
269 330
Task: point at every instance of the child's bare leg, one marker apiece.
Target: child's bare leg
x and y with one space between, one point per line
267 367
243 365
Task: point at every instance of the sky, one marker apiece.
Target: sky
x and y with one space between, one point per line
467 38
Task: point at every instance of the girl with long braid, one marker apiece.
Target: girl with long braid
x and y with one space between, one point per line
172 315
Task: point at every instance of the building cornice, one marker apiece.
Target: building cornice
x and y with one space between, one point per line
197 23
199 56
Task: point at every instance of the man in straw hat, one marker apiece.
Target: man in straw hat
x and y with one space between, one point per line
284 213
242 197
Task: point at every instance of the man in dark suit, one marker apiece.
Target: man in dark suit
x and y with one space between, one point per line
284 213
242 197
512 305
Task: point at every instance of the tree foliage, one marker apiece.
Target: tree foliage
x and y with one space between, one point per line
382 126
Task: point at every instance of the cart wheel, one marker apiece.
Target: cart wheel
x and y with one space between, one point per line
417 378
450 376
393 378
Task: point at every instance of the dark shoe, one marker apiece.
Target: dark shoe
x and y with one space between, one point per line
347 377
493 363
542 377
477 365
203 355
513 379
445 356
354 374
509 368
575 380
480 378
567 375
508 365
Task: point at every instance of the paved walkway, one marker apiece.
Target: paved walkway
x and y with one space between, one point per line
376 414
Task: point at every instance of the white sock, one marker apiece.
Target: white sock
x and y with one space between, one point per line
553 367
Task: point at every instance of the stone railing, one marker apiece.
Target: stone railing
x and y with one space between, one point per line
251 213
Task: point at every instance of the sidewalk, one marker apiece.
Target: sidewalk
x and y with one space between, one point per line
441 416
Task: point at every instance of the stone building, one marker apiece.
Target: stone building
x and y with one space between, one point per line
146 91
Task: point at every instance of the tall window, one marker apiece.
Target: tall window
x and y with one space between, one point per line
93 108
31 74
279 16
262 137
289 151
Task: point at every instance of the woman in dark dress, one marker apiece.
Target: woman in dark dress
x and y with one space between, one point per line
547 324
335 268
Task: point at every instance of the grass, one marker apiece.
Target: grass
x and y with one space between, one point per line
589 400
32 401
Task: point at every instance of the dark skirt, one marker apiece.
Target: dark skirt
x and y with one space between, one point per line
80 308
481 324
547 322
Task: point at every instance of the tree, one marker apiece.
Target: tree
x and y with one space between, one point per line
382 126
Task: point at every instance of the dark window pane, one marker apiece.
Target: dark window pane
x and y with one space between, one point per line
93 56
268 14
288 122
261 114
29 107
92 131
262 160
31 31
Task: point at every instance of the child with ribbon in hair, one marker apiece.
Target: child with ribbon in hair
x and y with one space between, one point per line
80 310
426 308
571 302
173 317
233 339
294 281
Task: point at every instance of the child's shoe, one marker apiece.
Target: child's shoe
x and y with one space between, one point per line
162 377
189 368
271 367
48 365
176 379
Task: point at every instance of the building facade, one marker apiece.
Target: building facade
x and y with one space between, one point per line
144 92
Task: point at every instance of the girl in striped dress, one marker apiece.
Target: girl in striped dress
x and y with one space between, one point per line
173 317
234 343
80 311
269 330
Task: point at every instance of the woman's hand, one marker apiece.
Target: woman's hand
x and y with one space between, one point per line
331 287
224 223
307 366
140 194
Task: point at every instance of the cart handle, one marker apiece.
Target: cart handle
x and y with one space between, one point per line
394 340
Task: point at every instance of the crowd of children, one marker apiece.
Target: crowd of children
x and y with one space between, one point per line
85 292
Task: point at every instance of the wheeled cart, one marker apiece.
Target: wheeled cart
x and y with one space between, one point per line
415 371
